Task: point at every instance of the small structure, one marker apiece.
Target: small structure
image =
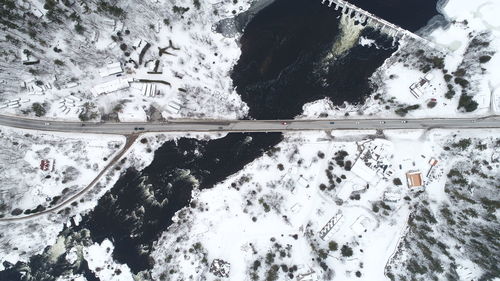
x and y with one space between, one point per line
47 165
149 90
220 268
391 196
417 88
414 179
310 275
110 69
361 225
334 222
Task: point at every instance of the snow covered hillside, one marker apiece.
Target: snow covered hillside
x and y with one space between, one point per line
127 61
316 206
460 77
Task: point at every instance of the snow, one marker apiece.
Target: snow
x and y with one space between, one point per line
194 70
231 221
468 19
100 261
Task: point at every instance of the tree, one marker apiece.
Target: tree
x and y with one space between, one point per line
79 28
333 246
38 109
467 102
346 251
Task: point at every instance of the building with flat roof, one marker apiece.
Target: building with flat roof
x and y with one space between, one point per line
109 87
414 179
110 69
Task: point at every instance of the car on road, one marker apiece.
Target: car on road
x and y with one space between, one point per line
332 122
139 128
284 123
382 122
47 123
404 121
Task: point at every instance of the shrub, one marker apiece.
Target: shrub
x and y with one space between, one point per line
197 4
59 62
467 102
79 28
38 109
484 59
462 82
333 246
431 104
404 110
346 251
463 144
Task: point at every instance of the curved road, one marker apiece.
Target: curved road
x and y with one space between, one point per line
126 128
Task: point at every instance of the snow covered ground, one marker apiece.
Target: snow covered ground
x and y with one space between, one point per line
471 40
25 191
266 219
40 169
171 63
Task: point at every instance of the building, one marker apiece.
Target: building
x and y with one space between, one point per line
109 87
390 196
220 268
47 165
417 88
110 69
414 179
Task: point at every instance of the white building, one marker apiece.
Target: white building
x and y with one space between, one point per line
110 69
109 87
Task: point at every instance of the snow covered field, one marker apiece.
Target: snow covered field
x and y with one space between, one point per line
266 219
40 169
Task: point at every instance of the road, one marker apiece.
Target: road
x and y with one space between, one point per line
65 202
126 128
132 129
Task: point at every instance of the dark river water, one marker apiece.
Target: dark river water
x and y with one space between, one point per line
282 66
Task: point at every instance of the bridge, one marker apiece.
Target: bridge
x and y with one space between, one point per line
247 126
365 17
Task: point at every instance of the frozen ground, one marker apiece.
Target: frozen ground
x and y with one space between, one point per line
25 191
463 80
72 161
265 220
191 80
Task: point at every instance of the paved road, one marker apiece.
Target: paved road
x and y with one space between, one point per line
65 202
125 128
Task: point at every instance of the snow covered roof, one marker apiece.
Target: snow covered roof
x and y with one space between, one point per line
391 196
109 87
110 69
